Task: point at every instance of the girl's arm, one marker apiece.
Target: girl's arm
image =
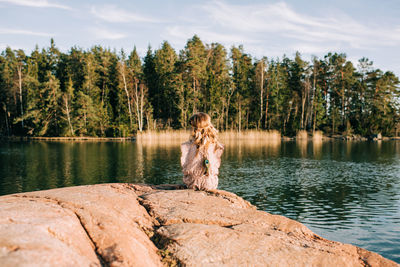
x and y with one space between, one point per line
220 150
215 158
184 151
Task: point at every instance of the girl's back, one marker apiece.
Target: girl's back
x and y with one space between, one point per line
201 155
197 173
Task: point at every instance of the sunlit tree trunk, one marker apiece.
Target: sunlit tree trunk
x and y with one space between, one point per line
285 121
343 100
6 120
67 110
240 116
303 103
195 96
139 103
313 99
136 96
261 93
122 70
19 70
308 108
141 106
266 109
227 109
313 105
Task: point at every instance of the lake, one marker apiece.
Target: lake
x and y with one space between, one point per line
343 191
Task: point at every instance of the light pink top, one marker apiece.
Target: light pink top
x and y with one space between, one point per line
194 171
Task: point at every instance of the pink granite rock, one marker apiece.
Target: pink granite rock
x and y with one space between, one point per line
84 225
141 225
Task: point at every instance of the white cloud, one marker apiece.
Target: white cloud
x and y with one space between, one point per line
264 26
101 33
111 13
180 34
35 3
253 18
24 32
3 47
312 49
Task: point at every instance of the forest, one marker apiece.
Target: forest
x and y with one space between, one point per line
104 93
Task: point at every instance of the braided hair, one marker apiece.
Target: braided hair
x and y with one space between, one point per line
203 133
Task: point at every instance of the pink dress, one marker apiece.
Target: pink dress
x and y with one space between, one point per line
195 174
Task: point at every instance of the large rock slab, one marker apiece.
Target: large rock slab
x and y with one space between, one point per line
142 225
88 225
218 228
42 234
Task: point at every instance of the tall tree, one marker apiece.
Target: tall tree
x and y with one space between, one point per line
318 102
44 110
165 59
124 75
194 58
218 83
242 80
67 98
20 57
261 74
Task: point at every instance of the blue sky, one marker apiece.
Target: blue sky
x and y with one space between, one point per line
359 28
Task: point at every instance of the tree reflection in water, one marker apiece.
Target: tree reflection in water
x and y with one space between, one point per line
344 191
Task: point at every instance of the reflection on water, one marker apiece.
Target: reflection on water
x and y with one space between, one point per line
344 191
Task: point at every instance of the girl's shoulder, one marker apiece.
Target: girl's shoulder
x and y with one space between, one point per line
186 146
219 146
187 143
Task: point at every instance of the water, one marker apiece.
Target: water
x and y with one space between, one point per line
343 191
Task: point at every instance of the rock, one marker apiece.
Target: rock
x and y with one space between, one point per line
142 225
375 137
217 228
42 233
86 225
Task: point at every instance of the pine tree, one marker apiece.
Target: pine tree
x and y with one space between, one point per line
261 67
98 92
165 59
194 58
67 103
125 84
242 78
44 109
218 83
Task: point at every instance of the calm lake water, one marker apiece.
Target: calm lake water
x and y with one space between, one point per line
343 191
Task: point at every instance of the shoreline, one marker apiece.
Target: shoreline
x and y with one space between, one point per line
135 138
84 138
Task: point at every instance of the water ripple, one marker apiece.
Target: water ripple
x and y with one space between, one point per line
343 191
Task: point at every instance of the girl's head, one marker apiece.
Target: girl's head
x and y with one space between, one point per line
200 120
203 132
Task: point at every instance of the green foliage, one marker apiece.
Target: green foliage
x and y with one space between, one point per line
242 83
99 92
43 112
217 85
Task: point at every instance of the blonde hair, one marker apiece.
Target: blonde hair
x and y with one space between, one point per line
203 133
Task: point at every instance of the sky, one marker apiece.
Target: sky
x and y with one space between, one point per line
358 28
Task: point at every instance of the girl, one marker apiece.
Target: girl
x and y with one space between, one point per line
201 155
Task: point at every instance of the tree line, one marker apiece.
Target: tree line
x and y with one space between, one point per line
102 92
